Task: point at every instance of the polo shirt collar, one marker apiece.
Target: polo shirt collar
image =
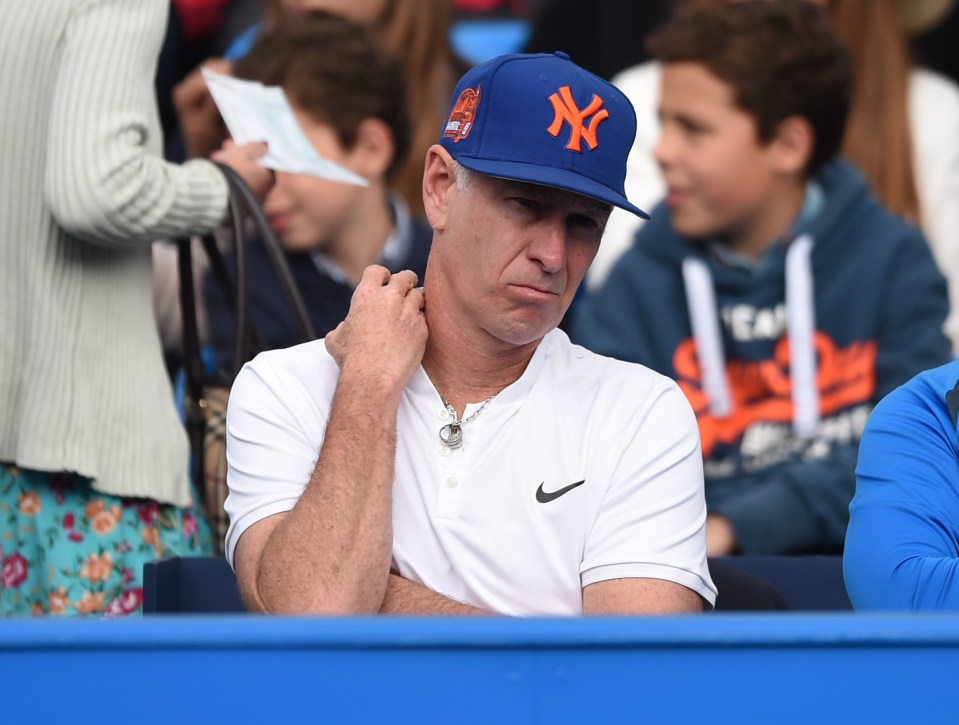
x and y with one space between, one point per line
420 385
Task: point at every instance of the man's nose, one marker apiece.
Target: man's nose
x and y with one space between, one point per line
549 246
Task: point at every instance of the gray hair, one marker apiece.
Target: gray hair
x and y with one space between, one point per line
464 178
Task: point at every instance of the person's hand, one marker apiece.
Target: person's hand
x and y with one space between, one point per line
384 334
720 536
200 122
244 160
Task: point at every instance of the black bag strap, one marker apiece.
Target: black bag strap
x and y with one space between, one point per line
194 412
294 301
193 367
242 205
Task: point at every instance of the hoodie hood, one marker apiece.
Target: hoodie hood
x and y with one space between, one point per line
708 280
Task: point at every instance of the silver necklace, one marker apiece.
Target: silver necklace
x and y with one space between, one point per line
452 433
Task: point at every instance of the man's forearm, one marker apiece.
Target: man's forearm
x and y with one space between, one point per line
332 553
406 597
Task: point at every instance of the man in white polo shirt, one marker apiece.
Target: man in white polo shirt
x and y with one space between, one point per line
446 450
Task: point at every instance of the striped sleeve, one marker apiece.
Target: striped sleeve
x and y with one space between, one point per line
105 180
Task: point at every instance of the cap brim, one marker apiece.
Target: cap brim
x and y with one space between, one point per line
549 176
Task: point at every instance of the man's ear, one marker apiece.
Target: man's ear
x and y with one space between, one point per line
374 149
792 146
439 180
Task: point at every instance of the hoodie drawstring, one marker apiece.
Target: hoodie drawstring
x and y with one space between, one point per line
701 300
800 326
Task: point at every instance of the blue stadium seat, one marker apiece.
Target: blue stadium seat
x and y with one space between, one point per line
812 583
190 584
476 41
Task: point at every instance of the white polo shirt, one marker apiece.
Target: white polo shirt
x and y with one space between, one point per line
490 523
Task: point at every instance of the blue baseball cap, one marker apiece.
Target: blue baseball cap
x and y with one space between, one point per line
542 119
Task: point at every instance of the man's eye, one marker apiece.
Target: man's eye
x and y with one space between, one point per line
530 204
584 221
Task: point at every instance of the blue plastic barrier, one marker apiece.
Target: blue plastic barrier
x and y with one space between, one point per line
780 668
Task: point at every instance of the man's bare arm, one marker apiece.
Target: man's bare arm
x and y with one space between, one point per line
331 553
616 596
640 596
406 597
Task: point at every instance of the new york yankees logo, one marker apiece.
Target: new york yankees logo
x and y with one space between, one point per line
566 111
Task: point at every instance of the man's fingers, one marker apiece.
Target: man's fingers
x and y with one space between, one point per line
419 297
406 280
379 276
376 275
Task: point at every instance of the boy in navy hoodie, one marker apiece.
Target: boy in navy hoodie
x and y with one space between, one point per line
770 284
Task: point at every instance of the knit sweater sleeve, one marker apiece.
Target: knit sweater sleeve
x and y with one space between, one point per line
104 178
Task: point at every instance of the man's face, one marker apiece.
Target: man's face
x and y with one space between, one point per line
512 254
719 176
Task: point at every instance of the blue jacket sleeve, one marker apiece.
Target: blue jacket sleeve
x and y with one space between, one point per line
901 548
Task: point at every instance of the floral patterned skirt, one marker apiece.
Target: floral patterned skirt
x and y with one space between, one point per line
66 549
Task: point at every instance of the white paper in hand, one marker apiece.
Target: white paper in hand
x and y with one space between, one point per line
254 112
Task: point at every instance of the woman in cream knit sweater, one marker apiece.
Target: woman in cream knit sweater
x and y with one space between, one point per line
93 459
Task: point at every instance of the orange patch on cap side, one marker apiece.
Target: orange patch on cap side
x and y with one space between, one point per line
461 118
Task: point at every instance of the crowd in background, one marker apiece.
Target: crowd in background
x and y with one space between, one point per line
93 458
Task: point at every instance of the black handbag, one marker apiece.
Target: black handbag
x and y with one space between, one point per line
207 393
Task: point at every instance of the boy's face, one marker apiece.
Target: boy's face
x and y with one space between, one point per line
720 178
308 213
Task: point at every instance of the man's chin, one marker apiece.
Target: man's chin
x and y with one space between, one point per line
525 331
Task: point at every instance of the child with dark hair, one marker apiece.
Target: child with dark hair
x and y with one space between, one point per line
770 284
348 95
902 132
416 32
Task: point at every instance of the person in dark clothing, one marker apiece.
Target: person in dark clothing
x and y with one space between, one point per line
348 95
605 37
770 284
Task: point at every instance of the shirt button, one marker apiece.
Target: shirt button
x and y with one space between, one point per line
452 483
444 450
444 414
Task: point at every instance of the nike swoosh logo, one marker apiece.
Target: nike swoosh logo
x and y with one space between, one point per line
545 497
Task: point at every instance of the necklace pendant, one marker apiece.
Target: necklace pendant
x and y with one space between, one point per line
452 435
